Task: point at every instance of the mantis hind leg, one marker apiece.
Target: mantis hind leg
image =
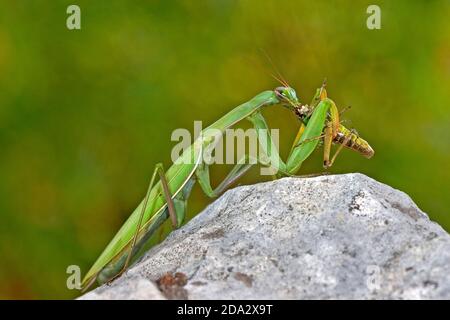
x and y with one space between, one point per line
180 204
202 173
159 170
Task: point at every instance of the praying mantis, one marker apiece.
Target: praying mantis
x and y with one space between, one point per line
168 191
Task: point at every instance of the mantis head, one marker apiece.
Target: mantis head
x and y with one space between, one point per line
287 97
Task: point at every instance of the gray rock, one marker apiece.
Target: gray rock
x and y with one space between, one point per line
126 288
329 237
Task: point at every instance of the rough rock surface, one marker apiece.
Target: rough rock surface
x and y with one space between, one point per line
330 237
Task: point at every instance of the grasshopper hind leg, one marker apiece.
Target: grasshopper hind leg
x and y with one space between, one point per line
328 163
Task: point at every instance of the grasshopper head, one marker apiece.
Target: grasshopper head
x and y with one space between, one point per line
287 96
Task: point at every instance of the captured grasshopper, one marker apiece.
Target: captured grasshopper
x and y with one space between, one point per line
333 132
168 197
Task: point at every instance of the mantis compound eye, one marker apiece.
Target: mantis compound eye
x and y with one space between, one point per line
287 96
281 92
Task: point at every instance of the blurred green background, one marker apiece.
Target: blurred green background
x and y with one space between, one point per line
86 114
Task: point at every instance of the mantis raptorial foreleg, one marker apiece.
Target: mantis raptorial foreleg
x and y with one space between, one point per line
314 129
331 126
307 137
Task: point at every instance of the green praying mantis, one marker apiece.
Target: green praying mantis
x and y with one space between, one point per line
169 190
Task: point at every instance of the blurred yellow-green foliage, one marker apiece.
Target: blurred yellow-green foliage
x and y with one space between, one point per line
86 114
